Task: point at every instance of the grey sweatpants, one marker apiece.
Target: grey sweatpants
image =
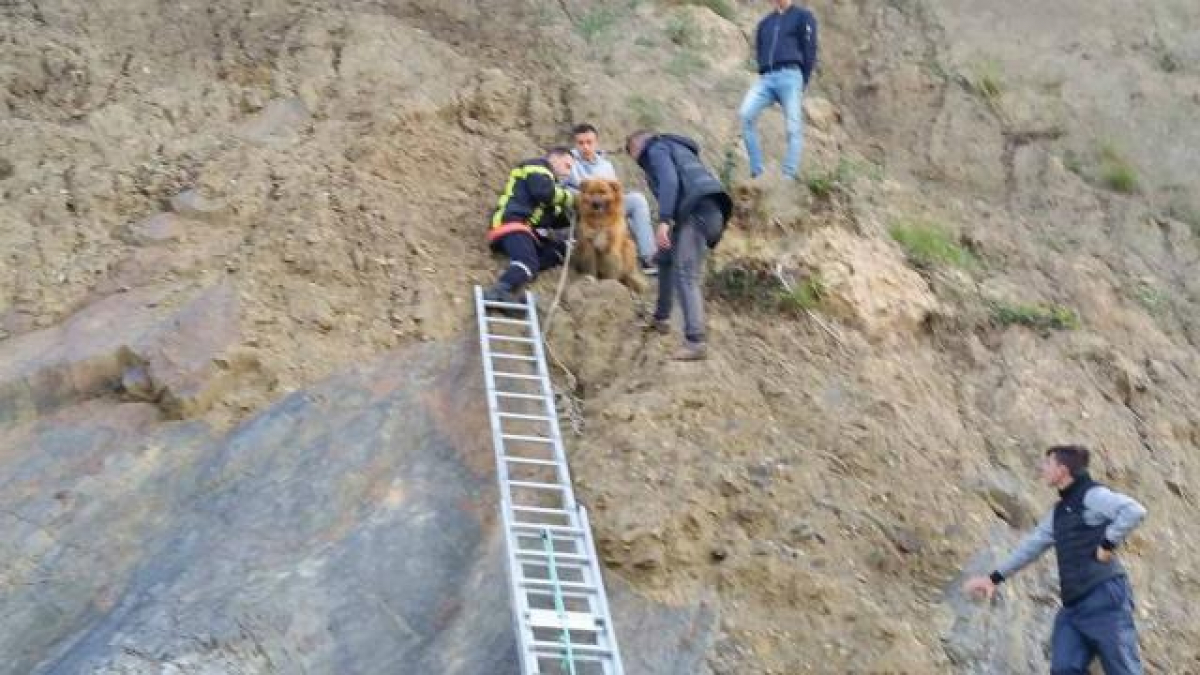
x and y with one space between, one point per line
681 268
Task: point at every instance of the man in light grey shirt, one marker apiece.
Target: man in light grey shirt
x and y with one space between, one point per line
1085 527
591 163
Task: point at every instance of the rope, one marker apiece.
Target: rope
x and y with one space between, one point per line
562 279
571 407
568 653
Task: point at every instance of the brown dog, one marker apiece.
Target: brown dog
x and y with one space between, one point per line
602 244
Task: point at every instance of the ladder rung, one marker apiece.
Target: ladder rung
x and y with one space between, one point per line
542 509
569 585
559 566
511 357
515 376
566 557
557 655
530 485
527 439
576 647
574 595
496 304
514 394
523 416
509 338
580 621
526 460
510 322
555 529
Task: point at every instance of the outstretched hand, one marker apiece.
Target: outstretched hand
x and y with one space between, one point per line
980 587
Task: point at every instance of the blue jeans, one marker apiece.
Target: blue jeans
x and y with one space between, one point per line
785 87
1098 624
637 214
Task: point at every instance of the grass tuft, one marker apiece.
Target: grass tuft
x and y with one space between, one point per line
1043 318
1116 172
928 245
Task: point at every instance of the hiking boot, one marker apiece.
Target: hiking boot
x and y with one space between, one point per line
691 351
647 265
502 293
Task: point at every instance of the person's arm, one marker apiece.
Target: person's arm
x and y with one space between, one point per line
1032 546
544 190
758 44
666 179
808 45
1122 512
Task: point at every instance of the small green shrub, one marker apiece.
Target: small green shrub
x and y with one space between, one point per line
986 80
1155 300
823 184
728 165
748 284
1116 172
927 245
648 113
807 296
1042 318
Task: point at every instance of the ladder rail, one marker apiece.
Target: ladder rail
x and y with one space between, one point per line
517 599
528 589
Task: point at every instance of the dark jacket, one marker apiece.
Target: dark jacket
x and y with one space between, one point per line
1087 516
787 39
1075 544
678 179
531 199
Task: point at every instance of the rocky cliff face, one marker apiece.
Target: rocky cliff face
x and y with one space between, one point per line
225 225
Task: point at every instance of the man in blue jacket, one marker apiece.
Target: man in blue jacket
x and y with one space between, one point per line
692 210
1085 528
786 48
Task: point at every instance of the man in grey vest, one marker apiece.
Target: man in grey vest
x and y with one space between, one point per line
1085 528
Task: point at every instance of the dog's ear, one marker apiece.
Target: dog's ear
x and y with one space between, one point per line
616 187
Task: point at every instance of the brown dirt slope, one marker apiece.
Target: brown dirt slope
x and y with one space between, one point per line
850 450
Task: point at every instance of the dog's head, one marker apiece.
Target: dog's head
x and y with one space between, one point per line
601 197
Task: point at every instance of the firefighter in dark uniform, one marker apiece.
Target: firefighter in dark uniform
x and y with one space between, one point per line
531 206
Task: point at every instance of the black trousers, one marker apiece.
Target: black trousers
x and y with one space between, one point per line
527 255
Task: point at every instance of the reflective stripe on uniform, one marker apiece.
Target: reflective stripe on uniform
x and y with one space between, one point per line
516 175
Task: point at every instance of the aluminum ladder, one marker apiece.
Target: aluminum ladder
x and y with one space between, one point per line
560 610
